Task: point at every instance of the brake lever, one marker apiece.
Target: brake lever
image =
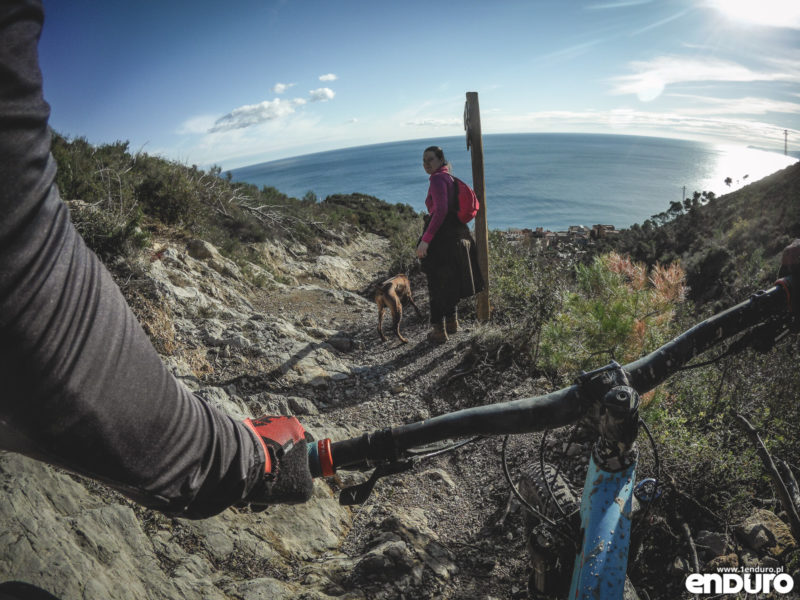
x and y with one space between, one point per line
358 494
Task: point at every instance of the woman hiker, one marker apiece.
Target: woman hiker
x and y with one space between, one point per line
446 250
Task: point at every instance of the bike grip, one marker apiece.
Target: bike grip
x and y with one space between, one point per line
320 458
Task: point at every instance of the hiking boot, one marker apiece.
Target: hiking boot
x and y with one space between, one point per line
451 325
437 334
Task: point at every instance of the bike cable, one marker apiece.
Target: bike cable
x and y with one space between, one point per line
427 453
656 479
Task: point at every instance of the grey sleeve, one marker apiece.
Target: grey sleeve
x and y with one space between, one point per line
82 386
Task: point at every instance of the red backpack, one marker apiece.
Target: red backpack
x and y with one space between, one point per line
465 204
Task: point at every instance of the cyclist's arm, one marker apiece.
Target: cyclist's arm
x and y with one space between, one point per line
82 385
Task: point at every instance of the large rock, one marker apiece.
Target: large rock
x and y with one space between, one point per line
405 554
57 535
77 543
338 271
764 532
712 544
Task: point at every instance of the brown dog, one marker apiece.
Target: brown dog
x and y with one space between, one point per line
392 293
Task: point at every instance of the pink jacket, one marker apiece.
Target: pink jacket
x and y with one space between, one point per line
437 200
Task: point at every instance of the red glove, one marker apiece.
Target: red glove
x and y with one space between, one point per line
286 476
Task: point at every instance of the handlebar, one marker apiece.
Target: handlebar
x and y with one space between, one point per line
558 408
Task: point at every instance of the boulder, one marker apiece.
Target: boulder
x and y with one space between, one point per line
712 544
764 532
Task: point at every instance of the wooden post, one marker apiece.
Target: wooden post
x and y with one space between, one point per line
472 124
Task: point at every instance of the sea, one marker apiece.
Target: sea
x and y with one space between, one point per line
549 180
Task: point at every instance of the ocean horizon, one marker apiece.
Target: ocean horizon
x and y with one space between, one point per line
549 180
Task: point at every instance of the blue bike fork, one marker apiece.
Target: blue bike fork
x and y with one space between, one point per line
606 526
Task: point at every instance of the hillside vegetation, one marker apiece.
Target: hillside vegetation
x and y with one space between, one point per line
553 315
725 244
121 199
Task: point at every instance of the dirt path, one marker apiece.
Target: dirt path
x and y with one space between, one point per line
463 495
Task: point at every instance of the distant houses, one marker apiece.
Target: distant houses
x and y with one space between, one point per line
576 234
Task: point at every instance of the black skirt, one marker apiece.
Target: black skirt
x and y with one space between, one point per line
451 266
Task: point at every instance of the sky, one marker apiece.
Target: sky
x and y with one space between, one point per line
244 82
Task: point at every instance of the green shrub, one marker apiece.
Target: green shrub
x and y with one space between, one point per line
403 246
370 213
166 192
525 289
106 233
524 283
703 446
620 310
97 183
126 194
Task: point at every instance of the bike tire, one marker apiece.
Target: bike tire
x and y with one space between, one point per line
550 556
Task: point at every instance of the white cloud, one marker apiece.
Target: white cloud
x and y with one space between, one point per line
738 106
328 77
652 77
619 4
198 124
253 114
788 65
661 22
280 88
636 122
321 94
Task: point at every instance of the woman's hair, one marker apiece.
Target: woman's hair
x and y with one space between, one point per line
438 152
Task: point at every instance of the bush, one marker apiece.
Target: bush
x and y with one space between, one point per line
97 183
106 233
166 192
117 196
400 223
619 311
403 246
525 289
371 213
524 284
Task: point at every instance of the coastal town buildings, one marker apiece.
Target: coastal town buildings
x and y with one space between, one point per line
575 234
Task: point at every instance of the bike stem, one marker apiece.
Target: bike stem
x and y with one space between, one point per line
607 501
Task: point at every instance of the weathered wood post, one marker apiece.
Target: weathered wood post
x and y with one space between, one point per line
472 125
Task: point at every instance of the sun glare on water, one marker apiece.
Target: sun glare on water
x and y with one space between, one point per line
742 166
774 13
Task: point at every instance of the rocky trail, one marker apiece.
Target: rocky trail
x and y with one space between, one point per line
303 342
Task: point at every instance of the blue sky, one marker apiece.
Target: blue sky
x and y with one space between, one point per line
243 82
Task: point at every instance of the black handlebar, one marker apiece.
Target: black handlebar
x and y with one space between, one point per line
557 408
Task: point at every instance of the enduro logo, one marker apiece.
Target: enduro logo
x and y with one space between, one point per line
756 581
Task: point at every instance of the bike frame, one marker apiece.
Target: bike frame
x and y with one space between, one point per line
607 500
606 507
